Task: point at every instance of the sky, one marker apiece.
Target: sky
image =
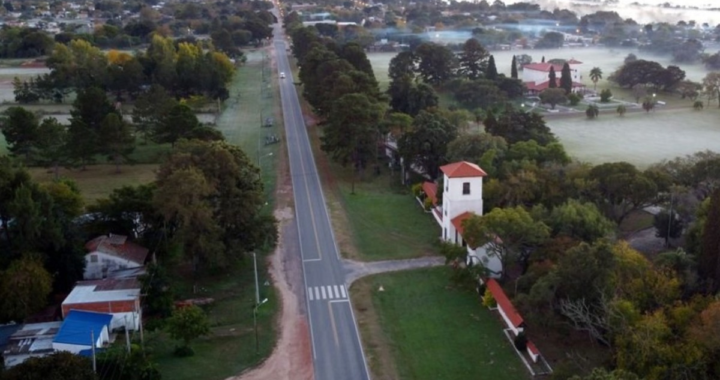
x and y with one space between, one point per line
651 12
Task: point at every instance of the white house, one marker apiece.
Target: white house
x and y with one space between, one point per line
30 341
81 330
536 78
117 297
462 198
109 253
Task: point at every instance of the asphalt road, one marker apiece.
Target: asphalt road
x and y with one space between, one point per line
337 352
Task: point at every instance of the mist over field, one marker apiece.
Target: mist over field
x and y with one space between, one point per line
647 10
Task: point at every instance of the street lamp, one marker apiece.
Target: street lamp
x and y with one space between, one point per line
255 308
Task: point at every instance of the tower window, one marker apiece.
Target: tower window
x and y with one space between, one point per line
466 188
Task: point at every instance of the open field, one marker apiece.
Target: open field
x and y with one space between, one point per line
431 329
639 138
230 349
98 181
252 99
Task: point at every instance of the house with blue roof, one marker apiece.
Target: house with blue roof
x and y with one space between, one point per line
81 330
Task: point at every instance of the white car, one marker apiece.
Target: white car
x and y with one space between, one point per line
282 75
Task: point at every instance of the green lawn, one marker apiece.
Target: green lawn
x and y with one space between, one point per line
432 330
231 347
252 99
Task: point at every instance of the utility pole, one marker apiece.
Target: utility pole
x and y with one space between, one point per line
127 335
92 346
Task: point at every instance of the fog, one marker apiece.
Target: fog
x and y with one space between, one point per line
649 11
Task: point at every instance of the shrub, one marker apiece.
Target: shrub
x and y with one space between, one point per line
605 95
698 105
488 300
428 204
574 99
521 341
417 189
621 109
592 111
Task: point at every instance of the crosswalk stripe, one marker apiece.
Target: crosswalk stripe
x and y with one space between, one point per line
335 290
330 292
342 290
310 294
322 291
317 293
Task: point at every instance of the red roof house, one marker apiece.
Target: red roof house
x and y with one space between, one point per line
109 253
462 169
511 317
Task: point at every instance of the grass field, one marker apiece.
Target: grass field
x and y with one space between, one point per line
431 330
639 138
230 348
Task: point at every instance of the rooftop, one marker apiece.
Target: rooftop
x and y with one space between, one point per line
430 189
458 220
504 303
31 338
80 326
544 85
122 289
119 246
462 169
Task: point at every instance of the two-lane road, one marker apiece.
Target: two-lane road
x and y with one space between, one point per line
337 352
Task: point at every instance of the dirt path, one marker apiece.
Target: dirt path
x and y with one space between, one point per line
357 269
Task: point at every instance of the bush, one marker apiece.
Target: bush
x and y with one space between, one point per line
621 109
183 351
417 189
592 111
488 300
698 105
574 99
428 204
605 95
521 341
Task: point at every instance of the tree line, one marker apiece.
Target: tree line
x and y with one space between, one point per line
558 221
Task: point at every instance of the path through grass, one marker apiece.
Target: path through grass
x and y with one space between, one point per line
431 329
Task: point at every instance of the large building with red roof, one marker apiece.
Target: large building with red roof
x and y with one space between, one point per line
536 76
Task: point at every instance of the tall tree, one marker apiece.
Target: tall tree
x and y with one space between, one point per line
492 72
176 124
425 145
517 125
437 63
351 134
509 233
552 77
667 225
553 96
51 144
622 189
24 289
578 220
149 109
20 128
708 261
473 59
117 139
595 75
566 82
513 68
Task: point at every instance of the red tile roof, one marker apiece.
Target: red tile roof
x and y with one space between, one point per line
118 246
458 220
544 85
462 169
504 303
574 61
430 189
532 349
543 67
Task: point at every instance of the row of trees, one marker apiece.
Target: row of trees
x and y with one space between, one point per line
183 70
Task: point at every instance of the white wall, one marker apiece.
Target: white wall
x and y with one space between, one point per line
94 270
129 320
456 203
480 256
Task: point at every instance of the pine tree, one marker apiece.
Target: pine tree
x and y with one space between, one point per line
566 81
513 69
708 263
543 59
492 72
553 82
117 139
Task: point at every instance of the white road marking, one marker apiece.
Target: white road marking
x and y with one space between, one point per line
337 293
342 290
317 293
310 294
330 292
322 291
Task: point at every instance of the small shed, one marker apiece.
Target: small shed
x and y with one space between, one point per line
81 330
119 297
28 341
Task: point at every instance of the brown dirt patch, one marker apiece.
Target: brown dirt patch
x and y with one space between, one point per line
375 342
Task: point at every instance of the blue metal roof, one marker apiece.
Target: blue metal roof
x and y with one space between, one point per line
77 326
5 332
